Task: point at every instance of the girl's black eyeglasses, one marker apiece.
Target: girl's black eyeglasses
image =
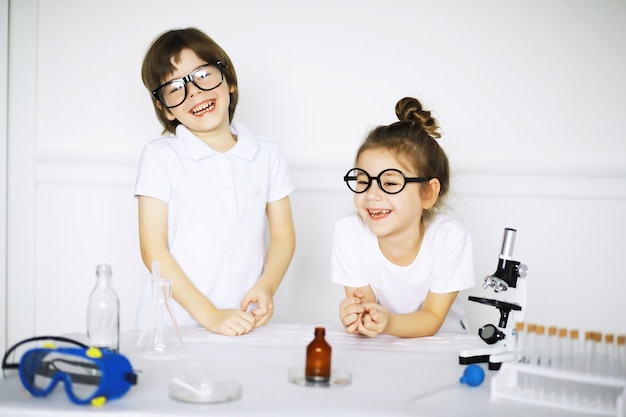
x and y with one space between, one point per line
391 180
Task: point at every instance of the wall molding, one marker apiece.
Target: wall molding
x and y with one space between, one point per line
468 178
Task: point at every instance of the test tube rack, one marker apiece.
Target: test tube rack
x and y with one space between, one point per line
508 384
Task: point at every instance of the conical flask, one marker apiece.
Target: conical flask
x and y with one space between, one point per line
160 335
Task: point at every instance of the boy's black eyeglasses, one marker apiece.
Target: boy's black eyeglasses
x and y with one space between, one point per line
206 77
391 181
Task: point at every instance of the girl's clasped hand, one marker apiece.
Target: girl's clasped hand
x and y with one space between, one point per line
359 316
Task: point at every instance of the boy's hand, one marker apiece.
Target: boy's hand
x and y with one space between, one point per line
230 322
261 303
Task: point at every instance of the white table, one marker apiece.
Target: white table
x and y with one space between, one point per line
386 373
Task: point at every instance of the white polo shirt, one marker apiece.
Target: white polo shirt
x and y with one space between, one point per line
216 209
444 264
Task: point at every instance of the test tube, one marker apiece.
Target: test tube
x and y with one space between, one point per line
610 356
589 349
621 356
578 354
564 350
520 342
609 362
598 364
577 365
531 337
541 384
563 363
553 348
542 347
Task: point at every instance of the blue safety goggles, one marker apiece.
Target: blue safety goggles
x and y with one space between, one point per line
90 375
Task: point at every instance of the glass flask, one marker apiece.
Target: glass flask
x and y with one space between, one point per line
103 312
160 335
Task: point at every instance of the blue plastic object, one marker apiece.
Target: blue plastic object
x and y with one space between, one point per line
91 376
473 376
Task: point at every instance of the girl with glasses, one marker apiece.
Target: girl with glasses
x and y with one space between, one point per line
400 259
206 189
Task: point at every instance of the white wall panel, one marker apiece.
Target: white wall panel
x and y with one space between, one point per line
570 238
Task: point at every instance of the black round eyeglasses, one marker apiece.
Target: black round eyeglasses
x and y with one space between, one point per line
391 180
174 92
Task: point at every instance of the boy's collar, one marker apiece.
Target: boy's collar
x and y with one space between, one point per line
245 148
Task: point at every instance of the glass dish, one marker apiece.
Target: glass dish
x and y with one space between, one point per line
338 378
204 391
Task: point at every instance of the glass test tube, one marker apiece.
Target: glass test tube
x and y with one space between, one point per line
520 343
531 337
621 356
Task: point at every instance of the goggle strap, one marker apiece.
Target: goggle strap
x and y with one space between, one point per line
5 358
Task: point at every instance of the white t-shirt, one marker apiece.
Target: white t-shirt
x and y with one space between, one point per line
444 264
216 210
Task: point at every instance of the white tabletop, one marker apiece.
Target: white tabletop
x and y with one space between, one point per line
387 372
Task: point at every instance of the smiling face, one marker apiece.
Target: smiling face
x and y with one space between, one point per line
205 113
393 216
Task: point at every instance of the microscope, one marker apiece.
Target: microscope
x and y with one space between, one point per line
501 338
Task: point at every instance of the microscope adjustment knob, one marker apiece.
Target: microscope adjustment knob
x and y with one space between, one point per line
522 270
489 282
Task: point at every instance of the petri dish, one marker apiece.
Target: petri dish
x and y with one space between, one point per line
338 378
204 391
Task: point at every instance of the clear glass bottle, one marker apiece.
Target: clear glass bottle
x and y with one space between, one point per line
160 335
103 312
318 359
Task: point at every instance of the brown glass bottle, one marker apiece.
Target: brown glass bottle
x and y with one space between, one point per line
318 355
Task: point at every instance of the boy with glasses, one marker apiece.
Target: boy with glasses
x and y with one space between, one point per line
206 189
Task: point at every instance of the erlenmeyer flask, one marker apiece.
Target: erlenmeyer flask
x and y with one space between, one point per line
160 335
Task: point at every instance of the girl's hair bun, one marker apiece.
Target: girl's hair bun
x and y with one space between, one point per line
409 109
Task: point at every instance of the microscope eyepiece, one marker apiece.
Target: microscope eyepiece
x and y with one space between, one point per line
508 243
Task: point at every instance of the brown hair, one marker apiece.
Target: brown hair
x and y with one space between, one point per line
157 65
412 140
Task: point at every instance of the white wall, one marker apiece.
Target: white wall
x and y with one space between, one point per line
529 94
